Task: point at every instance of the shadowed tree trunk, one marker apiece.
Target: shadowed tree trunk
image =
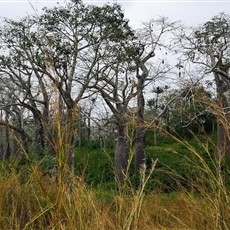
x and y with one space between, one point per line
121 153
223 142
223 127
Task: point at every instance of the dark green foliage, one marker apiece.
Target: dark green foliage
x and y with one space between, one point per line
225 169
177 166
96 165
170 169
161 139
48 164
107 144
181 165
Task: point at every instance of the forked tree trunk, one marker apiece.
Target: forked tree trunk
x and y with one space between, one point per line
121 154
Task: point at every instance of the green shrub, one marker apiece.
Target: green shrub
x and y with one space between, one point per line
95 165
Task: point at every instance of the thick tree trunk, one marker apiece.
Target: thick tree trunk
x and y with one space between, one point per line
121 154
140 158
223 142
140 131
223 126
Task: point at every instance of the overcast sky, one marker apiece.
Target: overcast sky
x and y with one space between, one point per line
189 12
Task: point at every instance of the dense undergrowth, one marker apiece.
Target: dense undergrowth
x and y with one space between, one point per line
187 188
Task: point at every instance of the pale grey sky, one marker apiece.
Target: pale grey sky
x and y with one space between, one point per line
189 12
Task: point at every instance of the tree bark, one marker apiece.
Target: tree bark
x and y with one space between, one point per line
223 127
223 142
140 131
139 143
140 158
121 154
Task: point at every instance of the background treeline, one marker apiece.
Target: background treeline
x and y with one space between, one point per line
79 74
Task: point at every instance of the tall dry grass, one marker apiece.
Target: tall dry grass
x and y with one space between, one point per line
31 199
39 203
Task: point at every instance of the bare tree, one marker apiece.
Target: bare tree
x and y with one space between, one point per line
118 89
